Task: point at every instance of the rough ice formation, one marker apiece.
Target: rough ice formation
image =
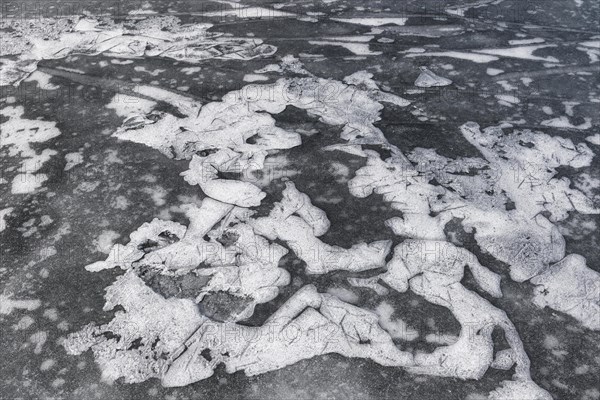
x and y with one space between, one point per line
527 165
311 324
42 39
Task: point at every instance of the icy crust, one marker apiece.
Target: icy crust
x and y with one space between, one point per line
307 325
35 40
244 114
434 269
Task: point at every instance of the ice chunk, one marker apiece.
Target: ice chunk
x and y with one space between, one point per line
429 79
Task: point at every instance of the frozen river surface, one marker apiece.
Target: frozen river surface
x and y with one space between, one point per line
332 199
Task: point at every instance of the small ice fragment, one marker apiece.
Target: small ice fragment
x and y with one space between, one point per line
3 214
429 79
255 78
7 305
72 160
519 42
593 139
508 98
494 71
